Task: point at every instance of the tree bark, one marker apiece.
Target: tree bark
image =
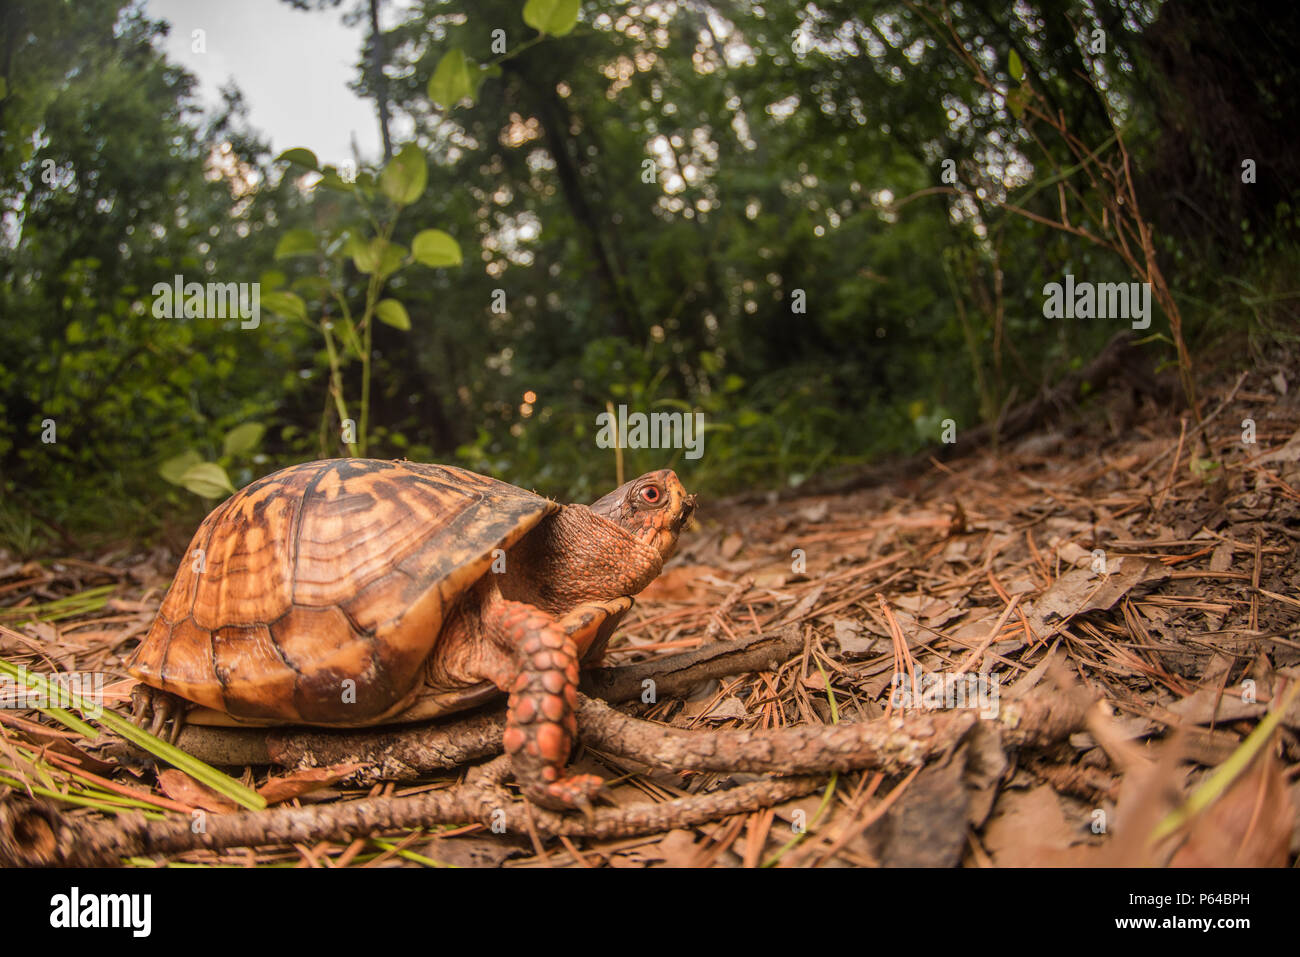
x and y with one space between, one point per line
378 79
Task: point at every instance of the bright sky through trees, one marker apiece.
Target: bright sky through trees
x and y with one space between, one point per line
293 68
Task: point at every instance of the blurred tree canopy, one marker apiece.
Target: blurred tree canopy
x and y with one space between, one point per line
726 207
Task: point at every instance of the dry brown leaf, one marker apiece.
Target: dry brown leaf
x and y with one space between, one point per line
1028 829
469 851
1287 453
731 545
678 848
1248 826
805 605
1081 590
727 709
179 786
297 783
927 826
1207 704
852 643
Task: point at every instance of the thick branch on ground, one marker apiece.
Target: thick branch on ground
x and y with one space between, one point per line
677 674
887 744
35 833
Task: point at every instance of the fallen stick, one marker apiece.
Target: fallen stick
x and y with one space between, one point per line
674 675
889 745
36 833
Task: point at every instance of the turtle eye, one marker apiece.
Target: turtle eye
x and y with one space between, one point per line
651 495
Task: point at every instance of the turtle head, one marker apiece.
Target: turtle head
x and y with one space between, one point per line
653 508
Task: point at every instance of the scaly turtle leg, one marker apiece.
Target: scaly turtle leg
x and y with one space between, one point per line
542 681
158 707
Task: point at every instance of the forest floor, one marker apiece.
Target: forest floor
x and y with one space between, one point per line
1119 552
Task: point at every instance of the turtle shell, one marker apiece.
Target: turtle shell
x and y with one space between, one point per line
315 594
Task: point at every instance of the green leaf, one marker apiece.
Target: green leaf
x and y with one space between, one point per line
1016 100
312 287
207 479
404 177
296 242
390 259
299 156
178 465
392 313
271 279
242 439
434 248
556 17
376 255
1015 67
451 81
284 303
331 179
364 253
365 183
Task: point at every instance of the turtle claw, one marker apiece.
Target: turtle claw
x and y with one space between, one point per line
577 792
139 705
158 707
583 804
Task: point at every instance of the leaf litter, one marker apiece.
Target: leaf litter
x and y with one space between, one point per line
1171 593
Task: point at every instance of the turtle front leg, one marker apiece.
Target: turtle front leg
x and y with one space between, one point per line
542 682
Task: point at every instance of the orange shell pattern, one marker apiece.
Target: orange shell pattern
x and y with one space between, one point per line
323 572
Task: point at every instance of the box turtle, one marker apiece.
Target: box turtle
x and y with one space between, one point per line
353 592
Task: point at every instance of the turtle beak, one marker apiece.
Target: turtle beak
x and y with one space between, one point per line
688 509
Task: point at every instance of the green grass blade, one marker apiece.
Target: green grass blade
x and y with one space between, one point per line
203 773
72 722
152 814
1222 777
409 855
